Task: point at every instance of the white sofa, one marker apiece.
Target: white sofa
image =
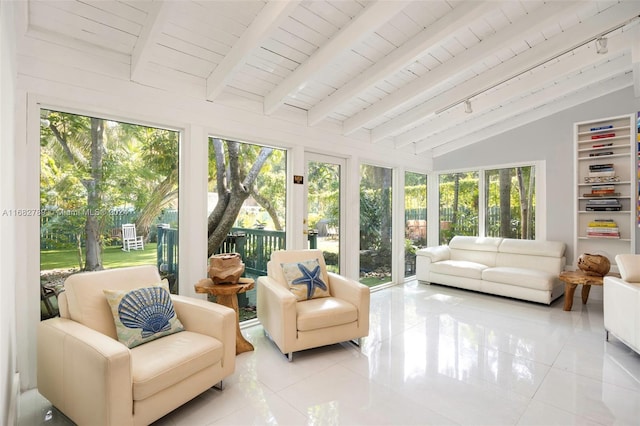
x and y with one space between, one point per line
621 304
522 269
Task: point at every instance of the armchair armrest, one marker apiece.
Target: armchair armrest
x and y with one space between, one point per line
348 289
353 292
277 312
204 317
210 319
84 372
435 254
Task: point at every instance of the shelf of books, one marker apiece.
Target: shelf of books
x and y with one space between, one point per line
605 186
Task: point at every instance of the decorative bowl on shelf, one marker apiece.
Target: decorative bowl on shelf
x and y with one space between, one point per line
594 264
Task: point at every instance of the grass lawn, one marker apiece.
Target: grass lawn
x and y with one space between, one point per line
112 257
374 281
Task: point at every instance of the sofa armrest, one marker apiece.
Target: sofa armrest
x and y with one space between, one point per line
435 254
621 302
84 372
277 312
210 319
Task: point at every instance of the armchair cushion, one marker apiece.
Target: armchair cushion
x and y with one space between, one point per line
325 312
143 314
305 279
165 362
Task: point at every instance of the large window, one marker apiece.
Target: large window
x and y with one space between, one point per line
415 212
246 207
375 225
458 205
97 175
506 209
510 201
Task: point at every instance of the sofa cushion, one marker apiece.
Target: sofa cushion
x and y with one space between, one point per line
629 267
461 268
143 314
475 243
162 363
520 277
305 279
532 247
324 312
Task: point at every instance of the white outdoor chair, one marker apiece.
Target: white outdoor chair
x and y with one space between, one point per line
129 238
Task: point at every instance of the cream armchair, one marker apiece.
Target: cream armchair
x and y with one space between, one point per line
297 325
91 377
621 302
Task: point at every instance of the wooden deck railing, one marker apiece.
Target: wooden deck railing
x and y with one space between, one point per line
254 246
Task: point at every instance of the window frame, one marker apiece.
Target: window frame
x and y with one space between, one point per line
540 194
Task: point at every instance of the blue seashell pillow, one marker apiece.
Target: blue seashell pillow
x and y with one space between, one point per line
143 314
305 279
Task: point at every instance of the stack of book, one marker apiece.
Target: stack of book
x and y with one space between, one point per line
605 127
601 170
603 228
601 173
602 145
602 190
604 205
603 136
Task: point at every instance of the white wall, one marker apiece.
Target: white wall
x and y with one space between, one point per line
549 139
8 366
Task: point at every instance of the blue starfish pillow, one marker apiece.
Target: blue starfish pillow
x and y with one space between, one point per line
305 279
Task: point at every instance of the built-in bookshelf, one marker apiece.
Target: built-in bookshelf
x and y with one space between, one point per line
605 166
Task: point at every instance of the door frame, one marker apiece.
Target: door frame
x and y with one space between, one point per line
342 163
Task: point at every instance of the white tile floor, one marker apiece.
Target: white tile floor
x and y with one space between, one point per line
434 355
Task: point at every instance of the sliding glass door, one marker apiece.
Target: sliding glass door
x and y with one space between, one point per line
323 207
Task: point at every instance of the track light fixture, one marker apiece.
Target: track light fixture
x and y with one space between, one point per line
467 107
601 45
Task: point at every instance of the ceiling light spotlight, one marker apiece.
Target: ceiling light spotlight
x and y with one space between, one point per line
601 45
467 107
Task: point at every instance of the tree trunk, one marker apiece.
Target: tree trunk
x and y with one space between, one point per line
266 204
94 198
524 206
505 202
530 210
79 251
456 200
232 192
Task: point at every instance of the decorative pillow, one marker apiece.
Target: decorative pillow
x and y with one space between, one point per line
143 314
629 267
305 279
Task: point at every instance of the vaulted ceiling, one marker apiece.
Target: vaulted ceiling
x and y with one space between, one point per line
418 76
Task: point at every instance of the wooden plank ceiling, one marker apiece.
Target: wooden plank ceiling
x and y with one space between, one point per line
418 76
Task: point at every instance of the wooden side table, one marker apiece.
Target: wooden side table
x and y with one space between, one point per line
574 278
227 295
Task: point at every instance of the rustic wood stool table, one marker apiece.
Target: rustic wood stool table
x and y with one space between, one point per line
227 295
574 278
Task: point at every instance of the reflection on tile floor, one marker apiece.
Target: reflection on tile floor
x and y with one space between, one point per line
434 355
